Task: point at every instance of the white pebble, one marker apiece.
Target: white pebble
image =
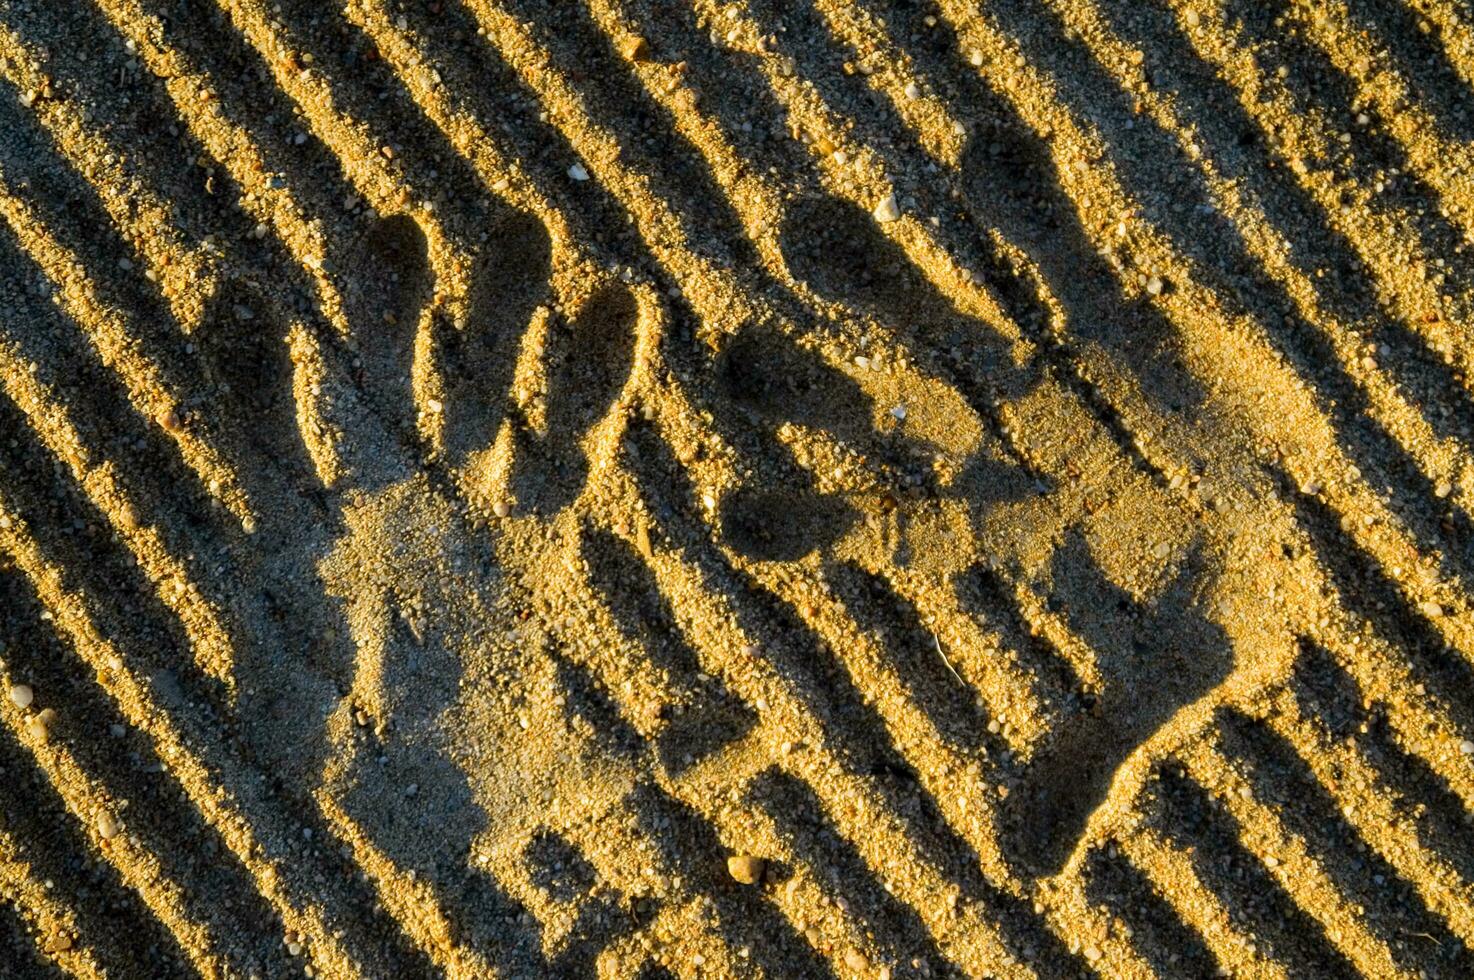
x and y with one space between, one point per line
22 695
577 172
887 209
1466 747
107 825
501 508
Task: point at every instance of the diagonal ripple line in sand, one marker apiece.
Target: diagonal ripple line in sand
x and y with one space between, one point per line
111 337
46 913
1263 834
87 800
48 415
1366 801
195 775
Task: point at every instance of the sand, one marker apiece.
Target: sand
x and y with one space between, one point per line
675 488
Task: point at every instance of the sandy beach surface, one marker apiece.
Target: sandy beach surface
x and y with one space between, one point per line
699 489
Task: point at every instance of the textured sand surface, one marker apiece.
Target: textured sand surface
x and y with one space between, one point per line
785 488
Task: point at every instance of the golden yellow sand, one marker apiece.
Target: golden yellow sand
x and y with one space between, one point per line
676 488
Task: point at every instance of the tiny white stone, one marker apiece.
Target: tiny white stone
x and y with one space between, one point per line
501 508
577 172
107 825
1430 609
887 209
22 695
912 92
1466 747
899 413
1154 285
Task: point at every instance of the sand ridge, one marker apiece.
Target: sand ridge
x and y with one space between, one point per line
471 469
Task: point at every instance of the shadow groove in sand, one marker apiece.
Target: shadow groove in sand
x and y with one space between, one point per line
1171 946
34 813
677 173
1328 694
1200 825
1395 913
158 813
1239 144
1366 590
700 718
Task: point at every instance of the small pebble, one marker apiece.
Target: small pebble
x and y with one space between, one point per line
746 868
501 508
171 421
40 725
1093 953
107 825
577 172
856 961
912 92
636 49
1430 609
1155 285
887 210
1193 18
22 695
1443 489
1466 747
